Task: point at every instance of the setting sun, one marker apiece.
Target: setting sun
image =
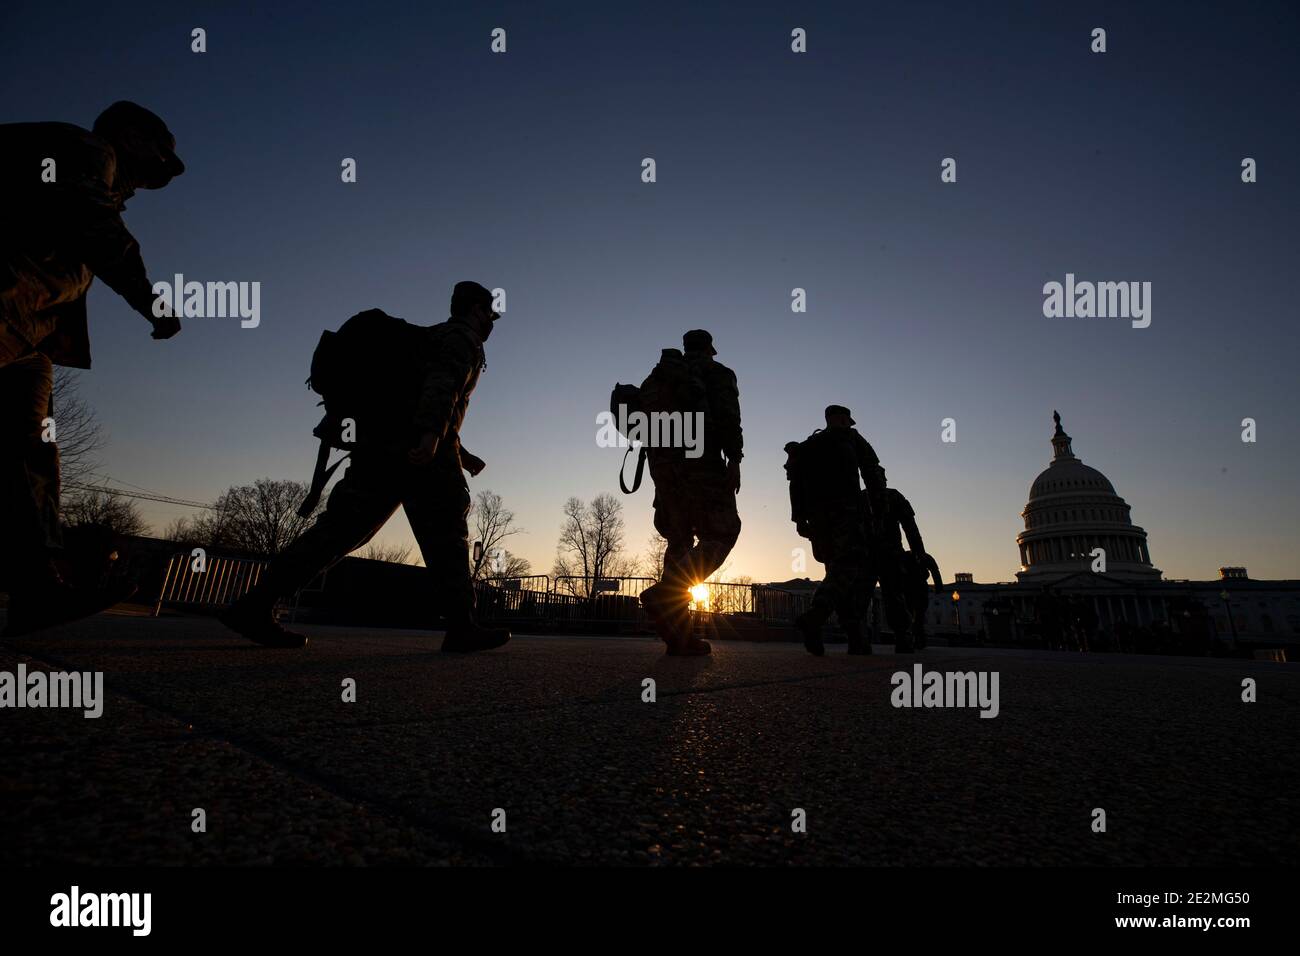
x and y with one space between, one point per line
700 596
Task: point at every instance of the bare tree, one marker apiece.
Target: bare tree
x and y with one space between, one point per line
507 564
651 564
182 531
77 430
392 553
261 518
492 523
117 514
591 544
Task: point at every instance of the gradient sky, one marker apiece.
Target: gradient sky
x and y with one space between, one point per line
775 170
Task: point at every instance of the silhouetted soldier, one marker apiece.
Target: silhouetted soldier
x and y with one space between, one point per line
827 507
902 574
406 452
62 191
695 498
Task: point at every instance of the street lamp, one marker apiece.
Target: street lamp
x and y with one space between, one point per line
956 600
1228 606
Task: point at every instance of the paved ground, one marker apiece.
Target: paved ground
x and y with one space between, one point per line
553 730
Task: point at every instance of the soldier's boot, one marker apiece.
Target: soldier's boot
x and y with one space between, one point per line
651 599
858 644
253 617
690 646
465 635
654 596
919 639
809 624
45 601
668 607
904 643
687 644
674 626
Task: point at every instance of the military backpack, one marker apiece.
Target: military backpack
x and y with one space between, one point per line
806 468
673 385
370 370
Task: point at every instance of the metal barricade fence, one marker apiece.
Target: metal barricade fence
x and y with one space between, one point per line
528 582
220 582
511 599
776 606
605 599
722 597
766 605
582 587
535 597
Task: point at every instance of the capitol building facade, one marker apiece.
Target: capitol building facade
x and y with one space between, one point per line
1087 581
1074 520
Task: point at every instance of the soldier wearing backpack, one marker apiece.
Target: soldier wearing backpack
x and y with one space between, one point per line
695 495
829 507
395 395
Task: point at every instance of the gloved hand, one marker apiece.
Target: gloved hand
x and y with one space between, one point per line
165 327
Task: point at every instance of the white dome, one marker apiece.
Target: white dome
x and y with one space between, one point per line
1073 511
1067 475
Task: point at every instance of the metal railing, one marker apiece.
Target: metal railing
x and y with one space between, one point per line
764 604
573 599
723 597
565 599
775 606
534 583
499 600
221 581
587 587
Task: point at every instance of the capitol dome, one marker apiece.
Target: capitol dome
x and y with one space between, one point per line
1072 510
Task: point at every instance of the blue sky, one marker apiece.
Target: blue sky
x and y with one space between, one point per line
775 170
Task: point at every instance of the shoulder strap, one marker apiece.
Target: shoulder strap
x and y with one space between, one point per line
640 470
319 478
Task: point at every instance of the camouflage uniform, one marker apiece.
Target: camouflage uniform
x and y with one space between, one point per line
838 522
379 478
694 505
839 540
891 567
57 237
915 573
29 469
